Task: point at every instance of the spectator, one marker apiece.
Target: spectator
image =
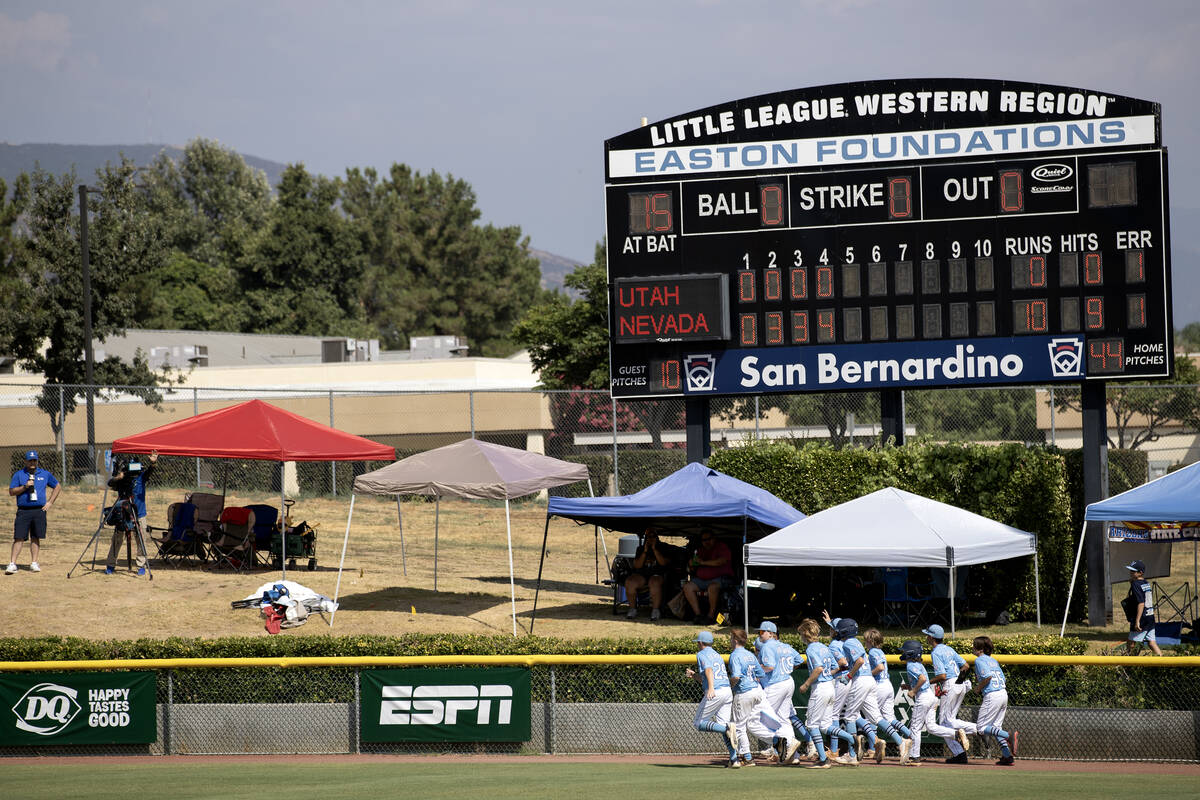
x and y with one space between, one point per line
712 567
650 565
1141 620
30 486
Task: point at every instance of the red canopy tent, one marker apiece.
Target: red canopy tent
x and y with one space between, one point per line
258 431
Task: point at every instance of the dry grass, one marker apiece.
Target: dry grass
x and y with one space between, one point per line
377 596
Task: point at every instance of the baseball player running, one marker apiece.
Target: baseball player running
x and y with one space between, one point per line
885 699
777 664
950 671
713 712
916 682
994 688
752 716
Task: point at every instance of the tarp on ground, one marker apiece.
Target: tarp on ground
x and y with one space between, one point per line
891 528
254 430
691 497
471 469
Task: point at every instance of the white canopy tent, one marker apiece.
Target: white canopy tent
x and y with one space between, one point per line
471 469
895 528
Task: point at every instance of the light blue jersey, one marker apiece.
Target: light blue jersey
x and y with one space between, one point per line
744 666
855 651
988 667
916 671
709 658
770 655
818 655
875 657
789 658
838 649
946 662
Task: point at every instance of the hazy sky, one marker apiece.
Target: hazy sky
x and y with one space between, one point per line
517 97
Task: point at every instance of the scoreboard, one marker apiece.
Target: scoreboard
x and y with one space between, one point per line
901 234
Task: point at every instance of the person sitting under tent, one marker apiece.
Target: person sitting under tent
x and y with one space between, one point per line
712 569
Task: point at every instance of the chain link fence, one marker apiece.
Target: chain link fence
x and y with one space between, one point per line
1063 711
627 444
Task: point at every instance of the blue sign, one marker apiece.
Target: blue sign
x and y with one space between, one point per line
899 365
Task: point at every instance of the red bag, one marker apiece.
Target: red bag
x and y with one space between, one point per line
275 616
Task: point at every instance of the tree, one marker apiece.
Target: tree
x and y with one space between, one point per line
304 275
124 244
433 270
1140 411
1188 339
14 277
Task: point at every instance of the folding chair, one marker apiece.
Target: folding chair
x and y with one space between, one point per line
902 606
264 525
178 542
208 517
233 545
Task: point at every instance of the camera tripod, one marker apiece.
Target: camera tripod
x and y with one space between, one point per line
128 513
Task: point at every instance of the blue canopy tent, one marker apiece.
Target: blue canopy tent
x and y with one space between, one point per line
690 498
1165 510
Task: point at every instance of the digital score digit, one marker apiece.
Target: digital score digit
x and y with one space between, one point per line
1006 220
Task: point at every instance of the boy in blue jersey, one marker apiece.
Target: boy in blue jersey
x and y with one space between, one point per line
717 700
1141 624
752 716
885 699
822 669
916 682
949 671
994 689
777 664
841 686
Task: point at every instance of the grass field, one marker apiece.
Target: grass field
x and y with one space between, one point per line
377 596
458 778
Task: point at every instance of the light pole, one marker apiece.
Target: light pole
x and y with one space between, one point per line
85 271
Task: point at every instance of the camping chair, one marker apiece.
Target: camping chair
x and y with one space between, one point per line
264 525
208 516
903 607
233 543
178 542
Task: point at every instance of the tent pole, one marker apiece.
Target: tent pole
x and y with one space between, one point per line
745 576
1037 585
400 525
338 587
1078 554
512 581
437 518
952 577
541 561
283 527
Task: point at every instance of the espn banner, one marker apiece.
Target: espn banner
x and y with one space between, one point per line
445 705
78 708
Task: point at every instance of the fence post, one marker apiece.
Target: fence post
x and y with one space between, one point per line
167 714
1053 438
332 464
354 726
62 434
471 407
550 715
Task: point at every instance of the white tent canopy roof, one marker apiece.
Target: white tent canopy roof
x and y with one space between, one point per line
891 528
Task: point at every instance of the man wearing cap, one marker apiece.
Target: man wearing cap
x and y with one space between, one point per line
1141 621
30 486
717 700
950 672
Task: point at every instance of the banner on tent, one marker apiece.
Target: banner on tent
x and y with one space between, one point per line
1154 532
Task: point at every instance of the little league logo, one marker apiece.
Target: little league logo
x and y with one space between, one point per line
47 709
700 373
1066 357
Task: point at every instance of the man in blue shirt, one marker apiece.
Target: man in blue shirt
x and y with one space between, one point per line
717 700
130 479
35 490
1141 623
947 666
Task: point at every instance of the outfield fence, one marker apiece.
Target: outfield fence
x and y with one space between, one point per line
1065 708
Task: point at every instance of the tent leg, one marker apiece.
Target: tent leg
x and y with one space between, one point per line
541 561
437 515
745 595
1037 585
283 528
400 525
952 577
512 581
338 587
1079 554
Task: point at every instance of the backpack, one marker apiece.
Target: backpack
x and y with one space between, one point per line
1129 606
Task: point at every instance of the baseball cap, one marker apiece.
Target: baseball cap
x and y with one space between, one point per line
1136 566
31 455
936 631
704 637
767 625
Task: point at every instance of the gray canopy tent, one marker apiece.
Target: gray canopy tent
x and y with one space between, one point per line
470 469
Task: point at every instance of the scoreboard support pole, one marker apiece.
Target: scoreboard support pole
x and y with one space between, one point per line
699 429
1095 489
891 415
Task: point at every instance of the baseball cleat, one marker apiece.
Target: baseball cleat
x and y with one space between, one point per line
735 764
846 760
819 765
1005 762
961 735
880 747
792 746
961 758
1012 744
731 735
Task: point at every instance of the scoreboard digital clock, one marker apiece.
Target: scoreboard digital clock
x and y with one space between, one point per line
916 234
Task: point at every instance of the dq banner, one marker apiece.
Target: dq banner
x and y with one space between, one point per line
445 705
78 708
